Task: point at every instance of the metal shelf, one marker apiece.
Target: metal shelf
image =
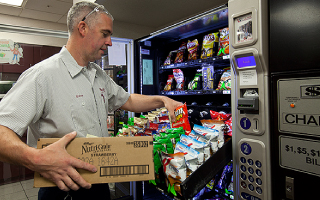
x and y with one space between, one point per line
217 60
195 92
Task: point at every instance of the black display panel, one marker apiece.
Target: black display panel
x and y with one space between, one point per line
294 35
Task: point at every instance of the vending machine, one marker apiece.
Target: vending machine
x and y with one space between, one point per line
274 49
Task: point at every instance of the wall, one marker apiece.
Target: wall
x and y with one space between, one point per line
20 23
121 30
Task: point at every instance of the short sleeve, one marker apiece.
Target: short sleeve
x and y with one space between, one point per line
117 96
24 103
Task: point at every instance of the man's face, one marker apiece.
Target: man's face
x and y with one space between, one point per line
99 37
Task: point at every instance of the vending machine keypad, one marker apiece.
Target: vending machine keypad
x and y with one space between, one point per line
251 172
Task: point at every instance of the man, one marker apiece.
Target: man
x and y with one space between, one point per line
66 96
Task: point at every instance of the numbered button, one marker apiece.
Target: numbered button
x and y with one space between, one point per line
243 168
258 172
251 187
243 160
259 190
250 161
259 181
251 179
258 164
243 176
243 184
245 123
250 170
246 148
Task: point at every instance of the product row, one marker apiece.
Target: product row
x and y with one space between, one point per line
205 78
180 148
213 44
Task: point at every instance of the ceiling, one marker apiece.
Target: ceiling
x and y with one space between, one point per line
154 14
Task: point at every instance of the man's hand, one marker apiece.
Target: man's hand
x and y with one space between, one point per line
171 105
143 103
54 163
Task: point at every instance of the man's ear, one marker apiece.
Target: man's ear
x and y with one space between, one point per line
82 28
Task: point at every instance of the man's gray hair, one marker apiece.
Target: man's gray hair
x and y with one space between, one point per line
81 9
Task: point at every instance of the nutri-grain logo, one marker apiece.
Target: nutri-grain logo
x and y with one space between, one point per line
88 147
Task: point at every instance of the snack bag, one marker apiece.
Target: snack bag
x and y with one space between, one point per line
225 80
210 134
207 77
141 122
220 116
217 125
193 158
193 49
163 127
157 148
213 124
169 83
175 169
181 53
225 179
170 57
228 129
181 114
174 135
166 142
193 85
208 45
178 75
201 147
223 42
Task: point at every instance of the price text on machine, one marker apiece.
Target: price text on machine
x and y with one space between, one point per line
300 154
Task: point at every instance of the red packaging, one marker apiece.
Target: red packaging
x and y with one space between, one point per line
181 114
229 127
221 116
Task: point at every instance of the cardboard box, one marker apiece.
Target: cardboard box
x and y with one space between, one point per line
118 159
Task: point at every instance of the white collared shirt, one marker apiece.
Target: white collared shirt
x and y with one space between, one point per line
57 96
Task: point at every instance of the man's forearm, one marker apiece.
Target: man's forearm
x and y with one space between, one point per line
12 149
142 103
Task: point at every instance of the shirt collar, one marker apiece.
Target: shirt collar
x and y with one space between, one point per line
70 63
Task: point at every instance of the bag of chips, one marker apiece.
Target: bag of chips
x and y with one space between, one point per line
181 53
201 147
178 75
193 158
175 169
225 80
223 42
170 57
208 45
181 115
207 77
193 85
193 49
157 148
169 83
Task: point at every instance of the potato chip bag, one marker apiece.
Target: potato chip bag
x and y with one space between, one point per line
181 53
170 57
175 169
179 77
169 83
181 115
223 42
193 49
208 45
